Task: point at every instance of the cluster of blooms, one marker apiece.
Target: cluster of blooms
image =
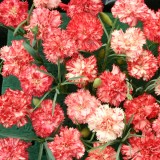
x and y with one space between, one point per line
103 106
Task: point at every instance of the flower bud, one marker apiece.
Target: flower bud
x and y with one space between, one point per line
35 101
97 82
85 132
34 30
106 19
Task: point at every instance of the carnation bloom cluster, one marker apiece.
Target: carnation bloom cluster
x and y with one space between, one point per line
83 84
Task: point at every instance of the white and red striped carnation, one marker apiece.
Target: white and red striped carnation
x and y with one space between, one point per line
58 45
46 20
86 30
80 6
34 82
15 57
13 149
107 153
47 3
86 68
81 105
129 43
142 108
107 123
67 145
113 89
13 12
44 123
144 67
15 106
130 11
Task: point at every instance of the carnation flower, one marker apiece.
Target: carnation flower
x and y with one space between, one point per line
67 145
142 108
13 12
129 11
157 86
34 82
129 43
58 45
15 58
13 149
86 30
47 3
47 21
80 66
107 123
80 6
144 148
44 123
113 89
158 58
144 67
152 29
14 107
81 105
107 153
156 126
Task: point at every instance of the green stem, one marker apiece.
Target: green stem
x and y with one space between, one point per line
18 27
107 48
29 14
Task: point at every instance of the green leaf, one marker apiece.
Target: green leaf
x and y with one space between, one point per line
10 82
48 152
40 151
25 132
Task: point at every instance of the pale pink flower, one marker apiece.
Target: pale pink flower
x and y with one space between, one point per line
67 145
15 57
107 153
47 3
80 66
34 82
13 149
46 20
143 108
107 123
81 105
44 123
113 89
14 107
13 12
58 45
80 6
144 67
130 11
86 30
157 87
129 43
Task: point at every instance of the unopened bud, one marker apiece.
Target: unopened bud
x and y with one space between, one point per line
85 132
97 82
34 30
35 101
106 19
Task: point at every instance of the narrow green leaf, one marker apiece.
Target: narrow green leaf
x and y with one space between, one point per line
18 27
74 78
49 74
118 152
130 120
40 151
54 102
109 1
48 152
